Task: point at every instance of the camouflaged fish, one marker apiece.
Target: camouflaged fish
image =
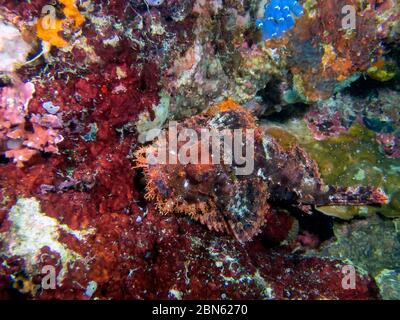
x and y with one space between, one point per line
215 194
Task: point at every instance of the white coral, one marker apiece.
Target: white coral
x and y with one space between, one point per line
13 49
31 230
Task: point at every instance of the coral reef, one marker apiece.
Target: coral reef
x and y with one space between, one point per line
367 127
13 48
342 53
382 71
78 101
312 60
388 282
377 110
19 142
199 264
31 231
380 239
360 161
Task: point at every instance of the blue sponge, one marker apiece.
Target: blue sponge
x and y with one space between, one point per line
279 16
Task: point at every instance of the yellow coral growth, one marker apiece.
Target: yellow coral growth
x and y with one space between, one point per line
72 12
51 35
340 66
381 71
24 285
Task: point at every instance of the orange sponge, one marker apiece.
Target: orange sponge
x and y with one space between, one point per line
52 36
72 12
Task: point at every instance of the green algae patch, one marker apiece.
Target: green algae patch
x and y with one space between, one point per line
353 158
285 139
341 158
372 244
388 282
344 212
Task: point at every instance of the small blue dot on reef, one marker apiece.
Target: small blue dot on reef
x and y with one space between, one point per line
279 16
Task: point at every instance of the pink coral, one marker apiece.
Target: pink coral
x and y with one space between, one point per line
324 123
390 144
22 138
14 105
